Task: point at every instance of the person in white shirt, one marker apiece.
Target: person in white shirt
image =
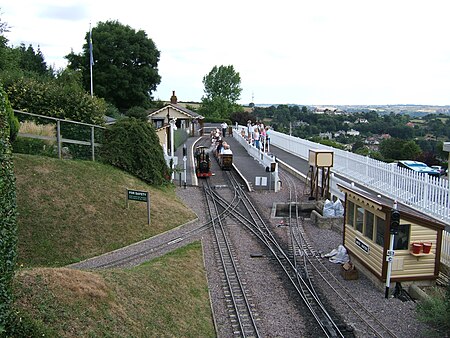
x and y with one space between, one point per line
224 126
249 131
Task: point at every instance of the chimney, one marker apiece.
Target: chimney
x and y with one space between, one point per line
173 99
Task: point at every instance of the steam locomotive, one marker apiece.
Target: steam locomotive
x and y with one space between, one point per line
202 162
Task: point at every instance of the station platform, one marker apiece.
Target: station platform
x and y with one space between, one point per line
253 173
248 168
179 178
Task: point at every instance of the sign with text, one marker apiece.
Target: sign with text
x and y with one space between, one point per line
137 195
362 245
140 196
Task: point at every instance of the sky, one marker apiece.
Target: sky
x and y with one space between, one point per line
324 52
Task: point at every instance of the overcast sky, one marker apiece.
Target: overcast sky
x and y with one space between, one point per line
326 52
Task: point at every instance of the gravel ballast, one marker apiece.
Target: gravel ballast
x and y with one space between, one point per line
279 311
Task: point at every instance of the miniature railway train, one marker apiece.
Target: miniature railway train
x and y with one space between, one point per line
202 162
203 159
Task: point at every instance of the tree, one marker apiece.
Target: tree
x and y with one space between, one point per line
391 148
410 151
125 65
357 145
139 113
4 28
241 117
222 90
53 98
31 60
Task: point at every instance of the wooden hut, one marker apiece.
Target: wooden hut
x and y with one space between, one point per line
366 237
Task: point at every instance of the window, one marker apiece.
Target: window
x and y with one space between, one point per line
158 123
368 229
350 213
359 219
381 226
401 240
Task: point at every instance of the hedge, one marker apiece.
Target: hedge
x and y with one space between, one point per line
132 145
8 226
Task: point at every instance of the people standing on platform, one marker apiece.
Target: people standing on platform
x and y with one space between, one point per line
267 139
224 127
249 131
262 138
244 133
219 147
256 138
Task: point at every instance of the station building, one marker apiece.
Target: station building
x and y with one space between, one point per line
186 121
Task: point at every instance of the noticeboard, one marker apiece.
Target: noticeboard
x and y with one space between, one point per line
140 196
136 195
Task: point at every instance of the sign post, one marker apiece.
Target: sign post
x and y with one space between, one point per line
395 222
139 196
184 160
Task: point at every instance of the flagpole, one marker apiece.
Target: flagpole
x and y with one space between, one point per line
91 59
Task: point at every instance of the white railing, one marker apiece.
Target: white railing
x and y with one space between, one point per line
422 192
263 158
445 250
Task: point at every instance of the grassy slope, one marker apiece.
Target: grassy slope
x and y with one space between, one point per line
166 297
72 210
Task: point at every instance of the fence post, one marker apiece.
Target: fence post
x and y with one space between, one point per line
58 137
92 143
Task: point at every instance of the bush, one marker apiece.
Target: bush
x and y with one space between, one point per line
133 146
436 312
139 113
33 146
13 125
50 98
217 120
8 226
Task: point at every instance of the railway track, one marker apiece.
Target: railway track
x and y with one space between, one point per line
248 215
241 311
306 259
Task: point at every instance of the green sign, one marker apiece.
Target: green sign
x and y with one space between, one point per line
136 195
140 196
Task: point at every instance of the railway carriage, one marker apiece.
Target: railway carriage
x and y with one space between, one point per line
224 155
202 162
225 161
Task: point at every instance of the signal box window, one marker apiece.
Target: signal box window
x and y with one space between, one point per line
401 240
368 229
381 226
350 213
360 219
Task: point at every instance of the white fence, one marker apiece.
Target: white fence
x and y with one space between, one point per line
263 158
422 192
445 250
